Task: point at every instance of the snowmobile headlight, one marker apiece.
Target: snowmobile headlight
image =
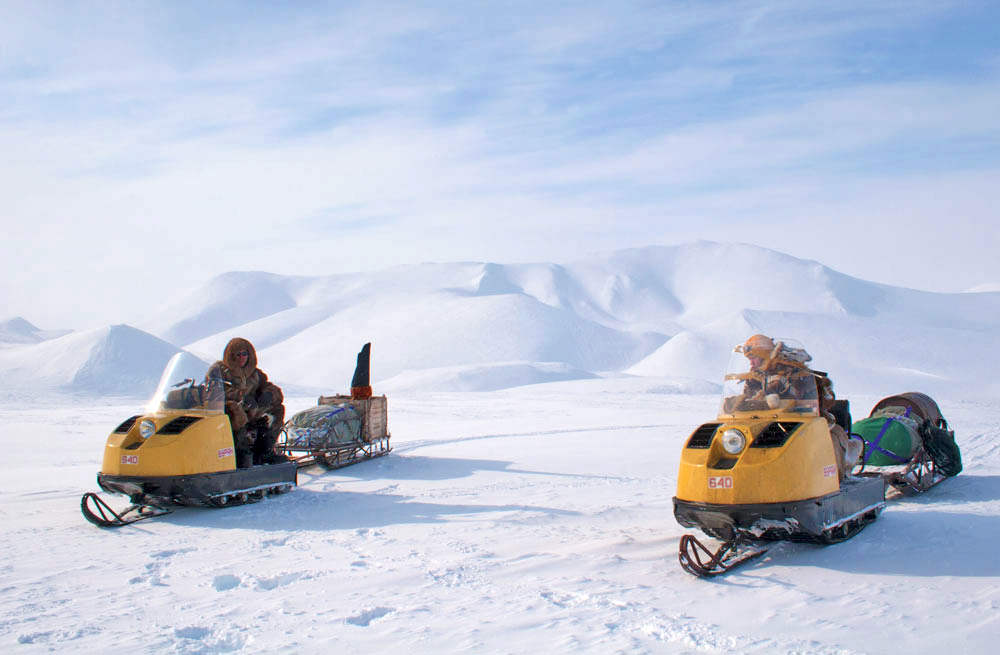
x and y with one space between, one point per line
733 441
146 428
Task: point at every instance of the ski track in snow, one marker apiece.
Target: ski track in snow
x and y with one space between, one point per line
554 531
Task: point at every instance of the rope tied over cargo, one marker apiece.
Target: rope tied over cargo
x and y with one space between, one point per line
885 428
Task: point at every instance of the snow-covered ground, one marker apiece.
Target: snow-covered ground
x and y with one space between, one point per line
533 519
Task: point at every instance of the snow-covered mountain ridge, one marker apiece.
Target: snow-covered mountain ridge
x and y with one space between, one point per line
117 359
17 331
659 311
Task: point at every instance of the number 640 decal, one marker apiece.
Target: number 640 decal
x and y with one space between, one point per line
722 482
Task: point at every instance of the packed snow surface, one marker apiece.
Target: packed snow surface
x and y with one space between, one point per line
524 520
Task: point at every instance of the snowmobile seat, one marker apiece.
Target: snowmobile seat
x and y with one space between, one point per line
185 398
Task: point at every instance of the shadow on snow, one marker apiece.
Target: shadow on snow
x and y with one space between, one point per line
316 505
342 510
397 467
935 534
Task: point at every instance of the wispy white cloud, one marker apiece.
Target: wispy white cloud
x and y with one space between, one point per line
150 145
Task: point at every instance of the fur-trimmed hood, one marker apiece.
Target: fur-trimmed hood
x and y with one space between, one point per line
234 346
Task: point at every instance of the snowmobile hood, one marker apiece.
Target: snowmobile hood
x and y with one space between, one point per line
234 346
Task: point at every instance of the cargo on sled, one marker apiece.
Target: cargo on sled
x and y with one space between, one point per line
341 429
908 443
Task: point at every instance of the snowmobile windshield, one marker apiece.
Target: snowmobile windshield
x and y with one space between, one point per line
770 381
189 383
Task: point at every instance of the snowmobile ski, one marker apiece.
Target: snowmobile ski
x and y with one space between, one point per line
748 544
102 515
698 560
155 496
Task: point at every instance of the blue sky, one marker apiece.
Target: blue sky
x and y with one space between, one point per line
151 145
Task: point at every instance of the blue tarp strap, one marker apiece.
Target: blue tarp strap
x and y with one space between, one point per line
885 428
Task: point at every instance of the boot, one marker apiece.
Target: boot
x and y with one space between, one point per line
244 459
243 443
263 449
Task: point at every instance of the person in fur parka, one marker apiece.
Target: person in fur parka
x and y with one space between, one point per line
254 405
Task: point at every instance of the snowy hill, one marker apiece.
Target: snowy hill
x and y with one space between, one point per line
989 287
483 378
422 317
18 331
114 359
662 311
667 312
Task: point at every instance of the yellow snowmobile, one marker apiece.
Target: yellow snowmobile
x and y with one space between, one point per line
766 469
180 451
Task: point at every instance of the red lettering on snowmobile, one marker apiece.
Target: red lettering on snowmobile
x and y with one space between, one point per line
724 482
225 452
130 459
829 471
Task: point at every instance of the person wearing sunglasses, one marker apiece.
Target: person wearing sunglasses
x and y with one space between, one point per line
255 406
